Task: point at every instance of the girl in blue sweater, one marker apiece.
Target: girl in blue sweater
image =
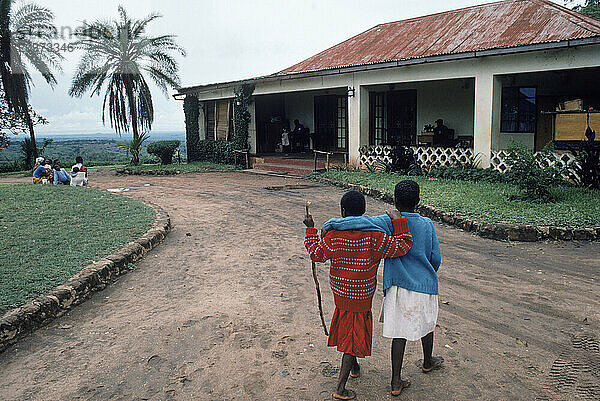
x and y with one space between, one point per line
410 304
410 282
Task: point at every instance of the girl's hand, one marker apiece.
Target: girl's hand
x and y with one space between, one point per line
308 221
394 214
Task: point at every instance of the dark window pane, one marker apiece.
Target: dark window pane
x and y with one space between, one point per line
518 112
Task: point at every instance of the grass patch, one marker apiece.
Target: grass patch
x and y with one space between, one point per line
193 167
49 233
488 202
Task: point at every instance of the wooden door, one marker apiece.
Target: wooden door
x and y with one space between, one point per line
331 123
402 117
325 122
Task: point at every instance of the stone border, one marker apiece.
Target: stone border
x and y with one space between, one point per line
498 231
20 321
168 172
127 171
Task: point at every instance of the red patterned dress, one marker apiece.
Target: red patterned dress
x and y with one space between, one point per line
355 257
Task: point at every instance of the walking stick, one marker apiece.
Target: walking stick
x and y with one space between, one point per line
314 273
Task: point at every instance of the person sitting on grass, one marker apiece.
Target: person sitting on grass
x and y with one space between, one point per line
410 284
41 175
81 168
77 177
355 256
60 174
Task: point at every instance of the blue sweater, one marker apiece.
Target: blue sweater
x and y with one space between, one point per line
417 270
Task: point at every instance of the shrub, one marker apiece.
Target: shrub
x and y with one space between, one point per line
191 111
534 181
243 98
10 167
163 150
216 151
133 147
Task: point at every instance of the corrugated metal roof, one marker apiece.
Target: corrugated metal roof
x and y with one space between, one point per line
498 25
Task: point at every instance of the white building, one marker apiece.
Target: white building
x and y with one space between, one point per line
490 72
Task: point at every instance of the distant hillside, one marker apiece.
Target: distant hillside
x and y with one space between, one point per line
94 151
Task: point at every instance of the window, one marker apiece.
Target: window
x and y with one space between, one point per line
209 114
518 109
379 123
341 121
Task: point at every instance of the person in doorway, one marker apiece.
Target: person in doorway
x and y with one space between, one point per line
297 137
355 257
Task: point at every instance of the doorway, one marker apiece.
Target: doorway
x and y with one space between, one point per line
331 123
393 117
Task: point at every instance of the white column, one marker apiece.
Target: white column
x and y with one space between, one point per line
487 116
252 127
358 123
201 122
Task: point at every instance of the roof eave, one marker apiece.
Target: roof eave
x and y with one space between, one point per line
396 63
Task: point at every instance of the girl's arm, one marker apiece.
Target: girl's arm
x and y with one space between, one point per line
399 244
436 254
316 248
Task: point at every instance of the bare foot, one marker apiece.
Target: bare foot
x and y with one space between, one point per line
436 362
346 395
398 387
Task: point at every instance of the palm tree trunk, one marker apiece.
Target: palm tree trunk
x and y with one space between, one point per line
34 149
135 156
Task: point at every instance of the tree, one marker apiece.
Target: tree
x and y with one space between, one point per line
117 55
13 124
589 7
26 41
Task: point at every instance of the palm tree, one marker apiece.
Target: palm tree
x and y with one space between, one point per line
26 41
117 55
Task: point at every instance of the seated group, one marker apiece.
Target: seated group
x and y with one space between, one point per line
46 172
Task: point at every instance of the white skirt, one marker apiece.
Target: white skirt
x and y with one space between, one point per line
408 314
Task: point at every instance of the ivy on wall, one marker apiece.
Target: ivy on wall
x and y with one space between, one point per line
192 128
243 99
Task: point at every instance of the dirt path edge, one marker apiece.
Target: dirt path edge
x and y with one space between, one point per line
18 322
499 232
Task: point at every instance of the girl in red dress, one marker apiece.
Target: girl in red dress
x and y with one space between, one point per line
355 256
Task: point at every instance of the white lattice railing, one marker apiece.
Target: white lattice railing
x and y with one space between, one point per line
554 159
426 156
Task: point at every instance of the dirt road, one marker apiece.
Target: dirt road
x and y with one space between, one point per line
225 309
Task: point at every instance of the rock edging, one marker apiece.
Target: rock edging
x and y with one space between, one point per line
497 231
127 171
19 322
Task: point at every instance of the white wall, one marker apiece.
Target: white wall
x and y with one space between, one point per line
300 106
452 101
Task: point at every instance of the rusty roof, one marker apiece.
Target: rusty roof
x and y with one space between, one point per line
499 25
467 32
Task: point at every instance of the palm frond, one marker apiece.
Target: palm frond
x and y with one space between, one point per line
116 61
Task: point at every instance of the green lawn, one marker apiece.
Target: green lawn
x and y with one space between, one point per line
193 167
575 207
49 233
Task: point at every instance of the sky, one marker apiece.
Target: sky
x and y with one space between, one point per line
224 40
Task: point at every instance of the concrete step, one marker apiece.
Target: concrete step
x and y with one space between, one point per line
298 171
308 163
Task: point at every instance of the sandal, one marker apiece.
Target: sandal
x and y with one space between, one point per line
403 384
436 362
